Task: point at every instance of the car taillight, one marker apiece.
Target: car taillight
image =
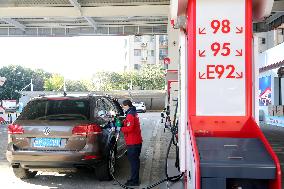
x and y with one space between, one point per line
15 129
90 157
86 129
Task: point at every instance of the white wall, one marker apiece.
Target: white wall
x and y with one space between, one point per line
157 50
173 47
272 38
268 57
271 56
145 50
126 53
131 52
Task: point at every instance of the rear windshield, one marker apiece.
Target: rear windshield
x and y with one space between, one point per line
69 109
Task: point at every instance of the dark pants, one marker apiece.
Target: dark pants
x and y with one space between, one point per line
133 154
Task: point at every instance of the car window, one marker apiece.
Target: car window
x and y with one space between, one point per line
34 110
101 112
67 109
101 109
111 110
118 107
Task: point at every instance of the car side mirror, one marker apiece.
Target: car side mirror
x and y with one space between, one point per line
102 113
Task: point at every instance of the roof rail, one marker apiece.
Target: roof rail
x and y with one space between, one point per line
42 95
91 94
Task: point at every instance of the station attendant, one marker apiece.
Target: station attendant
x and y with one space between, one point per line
132 135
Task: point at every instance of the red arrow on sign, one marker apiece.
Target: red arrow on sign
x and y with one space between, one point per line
201 76
201 31
201 53
239 30
239 75
239 52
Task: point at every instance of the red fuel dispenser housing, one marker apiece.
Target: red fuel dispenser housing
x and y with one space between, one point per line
229 148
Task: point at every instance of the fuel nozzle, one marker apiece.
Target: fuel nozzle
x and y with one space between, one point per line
118 122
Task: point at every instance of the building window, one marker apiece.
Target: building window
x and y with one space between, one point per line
136 66
137 39
125 43
125 56
262 40
137 52
152 38
151 53
163 53
163 39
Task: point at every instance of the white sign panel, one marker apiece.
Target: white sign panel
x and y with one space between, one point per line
9 103
2 81
220 58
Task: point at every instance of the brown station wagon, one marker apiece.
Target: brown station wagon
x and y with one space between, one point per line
64 133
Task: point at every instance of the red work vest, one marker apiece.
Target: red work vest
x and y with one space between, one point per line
131 129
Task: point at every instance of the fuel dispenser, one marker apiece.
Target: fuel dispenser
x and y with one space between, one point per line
224 147
220 145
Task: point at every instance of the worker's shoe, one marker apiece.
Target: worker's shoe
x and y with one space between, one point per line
130 183
127 183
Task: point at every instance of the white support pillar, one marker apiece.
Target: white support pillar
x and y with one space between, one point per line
173 66
256 79
173 47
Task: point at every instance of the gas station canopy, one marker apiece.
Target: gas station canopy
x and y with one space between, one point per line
83 17
274 20
99 17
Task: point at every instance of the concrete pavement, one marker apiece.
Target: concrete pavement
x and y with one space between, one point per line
152 161
275 136
150 124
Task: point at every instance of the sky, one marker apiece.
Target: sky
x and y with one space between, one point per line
73 57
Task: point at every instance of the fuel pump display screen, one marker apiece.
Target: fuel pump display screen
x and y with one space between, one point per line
220 58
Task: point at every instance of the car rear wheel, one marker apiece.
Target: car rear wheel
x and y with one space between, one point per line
24 173
105 171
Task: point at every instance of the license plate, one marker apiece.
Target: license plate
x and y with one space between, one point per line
47 142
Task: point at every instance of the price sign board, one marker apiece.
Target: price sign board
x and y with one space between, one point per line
220 58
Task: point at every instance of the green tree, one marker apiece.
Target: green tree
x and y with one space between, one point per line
39 76
18 78
78 86
150 77
100 81
88 84
128 80
54 83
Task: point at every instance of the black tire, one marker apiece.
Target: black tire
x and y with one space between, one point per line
106 170
22 173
